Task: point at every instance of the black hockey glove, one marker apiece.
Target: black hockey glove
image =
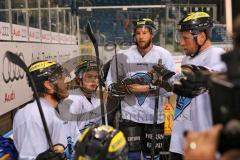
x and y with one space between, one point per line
119 89
57 153
194 83
136 80
160 76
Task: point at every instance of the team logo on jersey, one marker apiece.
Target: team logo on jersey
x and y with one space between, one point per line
182 103
145 78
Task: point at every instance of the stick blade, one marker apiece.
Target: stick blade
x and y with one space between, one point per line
89 31
14 58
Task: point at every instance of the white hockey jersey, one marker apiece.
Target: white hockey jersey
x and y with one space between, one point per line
82 105
28 132
195 114
140 107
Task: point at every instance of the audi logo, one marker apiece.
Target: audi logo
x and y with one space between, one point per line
11 71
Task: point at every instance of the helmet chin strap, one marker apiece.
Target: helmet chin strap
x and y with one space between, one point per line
56 94
197 52
199 47
86 92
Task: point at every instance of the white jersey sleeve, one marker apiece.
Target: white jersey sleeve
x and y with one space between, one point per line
28 131
28 134
195 114
27 145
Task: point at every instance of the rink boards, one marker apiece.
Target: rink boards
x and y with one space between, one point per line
14 87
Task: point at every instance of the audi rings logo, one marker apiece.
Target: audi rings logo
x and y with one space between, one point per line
11 71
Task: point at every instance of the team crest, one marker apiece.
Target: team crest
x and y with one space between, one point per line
146 79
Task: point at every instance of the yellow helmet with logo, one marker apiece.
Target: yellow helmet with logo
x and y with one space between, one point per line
44 70
101 143
195 22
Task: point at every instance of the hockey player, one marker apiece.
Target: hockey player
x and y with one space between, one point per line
101 142
28 131
85 97
137 105
194 113
221 138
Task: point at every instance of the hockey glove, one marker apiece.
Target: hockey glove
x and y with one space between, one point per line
57 153
194 83
136 80
119 89
160 76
